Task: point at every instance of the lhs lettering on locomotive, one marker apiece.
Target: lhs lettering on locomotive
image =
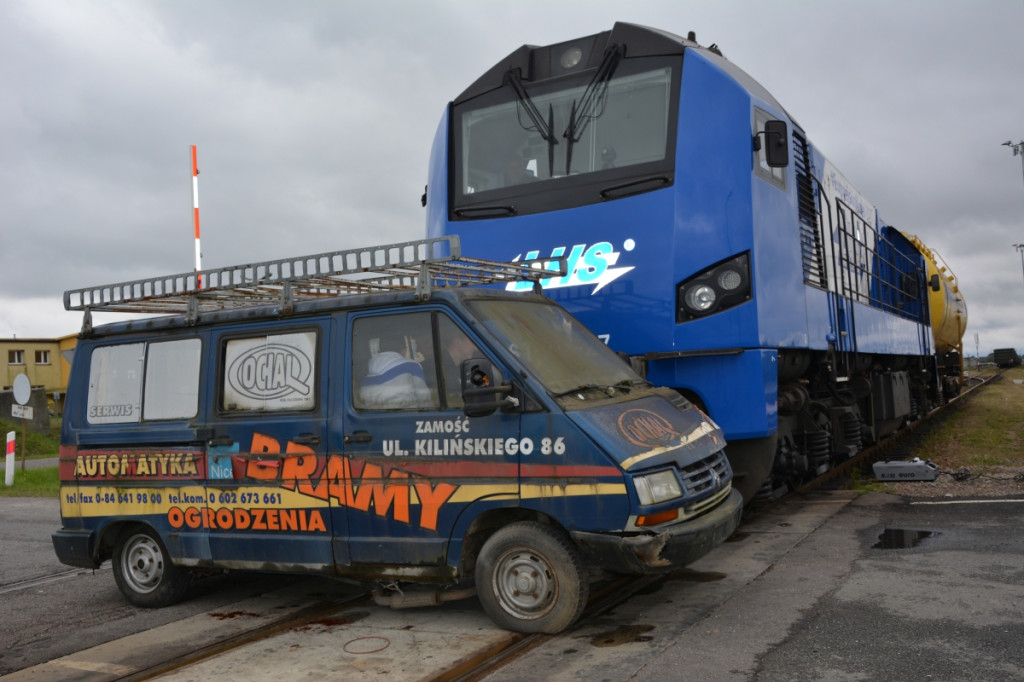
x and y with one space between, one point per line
585 266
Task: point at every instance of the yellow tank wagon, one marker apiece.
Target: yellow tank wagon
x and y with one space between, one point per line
948 312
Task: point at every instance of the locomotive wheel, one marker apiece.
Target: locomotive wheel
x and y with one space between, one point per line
531 578
143 570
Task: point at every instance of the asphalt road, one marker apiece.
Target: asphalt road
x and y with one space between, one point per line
886 589
48 610
832 587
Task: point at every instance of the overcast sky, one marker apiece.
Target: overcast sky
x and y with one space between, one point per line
314 119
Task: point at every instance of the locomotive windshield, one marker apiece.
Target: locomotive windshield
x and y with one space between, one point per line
531 147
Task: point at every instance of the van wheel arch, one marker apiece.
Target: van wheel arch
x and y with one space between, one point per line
107 539
488 523
143 569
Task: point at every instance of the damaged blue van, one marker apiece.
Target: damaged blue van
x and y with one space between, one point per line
378 415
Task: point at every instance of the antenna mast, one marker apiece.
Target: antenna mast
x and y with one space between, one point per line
195 217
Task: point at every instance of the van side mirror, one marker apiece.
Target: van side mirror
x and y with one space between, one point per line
776 144
479 394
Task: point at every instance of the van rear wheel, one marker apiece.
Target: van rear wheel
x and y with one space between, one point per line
143 570
531 578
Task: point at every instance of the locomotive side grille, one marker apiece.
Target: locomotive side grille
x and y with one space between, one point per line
810 235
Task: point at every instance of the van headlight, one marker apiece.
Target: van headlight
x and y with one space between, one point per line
658 487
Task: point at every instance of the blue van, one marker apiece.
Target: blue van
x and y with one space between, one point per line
362 415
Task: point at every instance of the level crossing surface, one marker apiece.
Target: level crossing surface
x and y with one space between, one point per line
834 585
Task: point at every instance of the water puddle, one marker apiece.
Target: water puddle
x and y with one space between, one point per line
220 615
625 634
691 576
899 538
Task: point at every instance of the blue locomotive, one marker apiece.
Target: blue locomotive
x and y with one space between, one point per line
707 239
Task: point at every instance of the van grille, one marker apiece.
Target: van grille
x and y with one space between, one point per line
705 476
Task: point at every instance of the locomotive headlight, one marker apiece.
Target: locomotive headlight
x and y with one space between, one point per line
720 287
571 57
657 487
700 298
729 279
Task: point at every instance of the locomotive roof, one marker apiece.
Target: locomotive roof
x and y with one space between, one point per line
642 41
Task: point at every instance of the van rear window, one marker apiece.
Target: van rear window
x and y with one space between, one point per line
132 382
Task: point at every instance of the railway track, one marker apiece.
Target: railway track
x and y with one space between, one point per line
894 443
334 618
48 579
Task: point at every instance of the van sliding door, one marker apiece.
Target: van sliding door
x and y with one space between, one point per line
267 505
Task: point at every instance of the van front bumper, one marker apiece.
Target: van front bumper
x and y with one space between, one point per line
75 547
665 550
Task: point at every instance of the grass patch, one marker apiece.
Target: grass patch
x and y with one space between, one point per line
985 430
32 483
36 444
864 481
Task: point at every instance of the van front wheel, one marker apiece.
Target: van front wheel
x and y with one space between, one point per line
531 578
143 570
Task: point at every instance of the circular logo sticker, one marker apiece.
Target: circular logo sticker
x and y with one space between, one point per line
646 428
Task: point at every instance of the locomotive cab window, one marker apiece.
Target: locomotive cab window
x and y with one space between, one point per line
774 175
588 138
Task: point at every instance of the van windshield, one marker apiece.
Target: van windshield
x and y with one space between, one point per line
552 345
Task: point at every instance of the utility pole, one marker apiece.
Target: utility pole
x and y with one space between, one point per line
1020 247
1018 150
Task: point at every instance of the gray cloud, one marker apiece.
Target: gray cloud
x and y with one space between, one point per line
314 121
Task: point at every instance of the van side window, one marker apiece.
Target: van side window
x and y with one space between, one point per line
135 381
172 379
392 363
457 347
270 373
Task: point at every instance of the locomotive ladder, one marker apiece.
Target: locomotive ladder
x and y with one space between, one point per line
421 265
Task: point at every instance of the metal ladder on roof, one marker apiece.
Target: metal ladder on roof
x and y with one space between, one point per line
421 265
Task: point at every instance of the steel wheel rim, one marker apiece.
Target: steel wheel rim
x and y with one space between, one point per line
524 583
142 563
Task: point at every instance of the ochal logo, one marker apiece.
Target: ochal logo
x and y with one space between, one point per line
271 371
585 265
646 428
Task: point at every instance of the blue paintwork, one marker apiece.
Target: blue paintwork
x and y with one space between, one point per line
717 208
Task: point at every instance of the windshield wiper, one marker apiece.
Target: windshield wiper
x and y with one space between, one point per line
606 389
596 90
545 128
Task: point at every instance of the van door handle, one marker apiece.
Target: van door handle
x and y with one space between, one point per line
306 439
358 437
218 441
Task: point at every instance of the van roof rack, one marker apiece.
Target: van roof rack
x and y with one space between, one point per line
421 265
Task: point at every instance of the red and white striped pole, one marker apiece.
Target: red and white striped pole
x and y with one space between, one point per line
9 477
195 218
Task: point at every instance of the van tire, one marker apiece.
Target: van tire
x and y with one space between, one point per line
531 578
143 570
